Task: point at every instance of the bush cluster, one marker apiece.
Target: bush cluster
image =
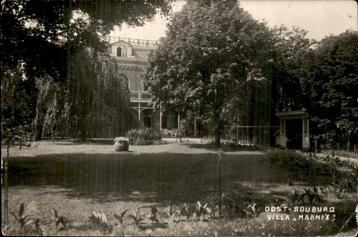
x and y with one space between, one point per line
143 136
295 161
309 166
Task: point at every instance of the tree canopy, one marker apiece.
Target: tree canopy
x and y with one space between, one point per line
43 39
92 102
209 50
329 85
44 34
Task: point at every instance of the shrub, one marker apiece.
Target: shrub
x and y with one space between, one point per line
310 167
298 162
287 158
143 136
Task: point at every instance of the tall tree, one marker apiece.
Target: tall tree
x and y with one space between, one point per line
15 100
43 36
209 49
289 47
92 102
329 82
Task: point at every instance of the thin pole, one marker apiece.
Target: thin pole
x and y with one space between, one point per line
220 156
139 110
6 199
194 125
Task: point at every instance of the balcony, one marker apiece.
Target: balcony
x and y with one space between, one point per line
140 96
133 42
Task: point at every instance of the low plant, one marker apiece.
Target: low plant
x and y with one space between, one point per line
99 220
64 221
341 181
120 217
143 136
295 161
137 217
28 222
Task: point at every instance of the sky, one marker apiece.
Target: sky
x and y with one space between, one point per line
319 17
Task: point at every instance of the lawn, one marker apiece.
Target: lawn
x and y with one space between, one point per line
76 184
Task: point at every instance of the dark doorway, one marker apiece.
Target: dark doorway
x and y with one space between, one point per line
146 121
147 118
294 133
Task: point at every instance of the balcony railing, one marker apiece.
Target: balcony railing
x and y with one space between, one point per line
134 42
140 96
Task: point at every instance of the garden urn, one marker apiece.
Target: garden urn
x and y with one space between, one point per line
121 144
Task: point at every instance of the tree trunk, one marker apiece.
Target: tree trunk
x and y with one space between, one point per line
348 144
83 135
217 129
83 132
38 127
217 136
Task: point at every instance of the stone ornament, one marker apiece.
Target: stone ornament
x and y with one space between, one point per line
121 144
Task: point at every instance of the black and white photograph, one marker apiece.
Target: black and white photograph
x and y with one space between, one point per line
179 118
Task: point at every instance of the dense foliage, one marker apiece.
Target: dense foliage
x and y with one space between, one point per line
44 38
221 68
217 66
329 85
92 102
16 102
209 51
44 34
143 136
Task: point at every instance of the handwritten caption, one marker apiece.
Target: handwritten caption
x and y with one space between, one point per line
300 213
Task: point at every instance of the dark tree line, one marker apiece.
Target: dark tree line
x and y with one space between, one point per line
92 102
41 40
222 67
210 50
329 84
228 69
216 64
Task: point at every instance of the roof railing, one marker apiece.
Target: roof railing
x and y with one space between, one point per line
132 41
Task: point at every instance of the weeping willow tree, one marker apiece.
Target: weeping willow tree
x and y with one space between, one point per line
92 102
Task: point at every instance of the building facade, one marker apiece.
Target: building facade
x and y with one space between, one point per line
132 56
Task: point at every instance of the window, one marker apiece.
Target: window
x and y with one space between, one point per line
119 52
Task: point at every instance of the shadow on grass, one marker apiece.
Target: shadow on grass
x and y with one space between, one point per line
225 147
165 178
152 177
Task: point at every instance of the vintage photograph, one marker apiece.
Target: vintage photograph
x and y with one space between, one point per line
179 118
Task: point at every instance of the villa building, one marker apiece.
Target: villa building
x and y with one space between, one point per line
132 56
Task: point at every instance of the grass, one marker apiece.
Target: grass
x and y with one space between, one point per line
78 184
